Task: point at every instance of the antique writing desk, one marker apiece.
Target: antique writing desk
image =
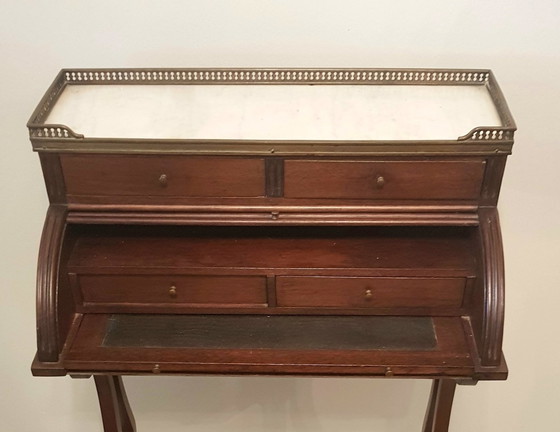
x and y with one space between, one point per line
279 222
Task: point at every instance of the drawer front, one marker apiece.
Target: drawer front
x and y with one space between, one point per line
383 179
211 291
365 292
110 175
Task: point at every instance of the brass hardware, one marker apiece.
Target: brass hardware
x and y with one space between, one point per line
368 294
380 182
389 371
288 148
275 215
156 369
46 137
163 179
172 291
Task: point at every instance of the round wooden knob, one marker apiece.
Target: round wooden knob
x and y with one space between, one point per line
172 291
163 180
389 371
380 182
368 294
156 369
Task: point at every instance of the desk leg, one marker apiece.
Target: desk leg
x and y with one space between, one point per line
115 410
439 407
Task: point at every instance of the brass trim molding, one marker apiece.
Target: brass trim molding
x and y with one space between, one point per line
58 137
268 76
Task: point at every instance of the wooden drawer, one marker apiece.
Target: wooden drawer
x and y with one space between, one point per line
442 179
369 292
166 176
198 290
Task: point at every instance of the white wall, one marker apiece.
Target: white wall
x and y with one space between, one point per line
519 40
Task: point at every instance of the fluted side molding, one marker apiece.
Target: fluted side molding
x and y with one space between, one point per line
494 289
48 344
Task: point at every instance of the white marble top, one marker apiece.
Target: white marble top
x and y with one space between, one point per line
275 112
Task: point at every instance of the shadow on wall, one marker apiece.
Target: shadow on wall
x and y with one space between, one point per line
275 404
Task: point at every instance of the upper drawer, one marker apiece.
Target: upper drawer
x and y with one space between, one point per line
441 179
162 176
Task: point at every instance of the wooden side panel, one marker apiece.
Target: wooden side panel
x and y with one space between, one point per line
54 180
493 180
66 304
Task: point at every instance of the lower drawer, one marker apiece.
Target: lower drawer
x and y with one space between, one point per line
193 290
369 292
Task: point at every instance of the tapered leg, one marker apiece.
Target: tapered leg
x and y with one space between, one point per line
115 410
439 407
429 418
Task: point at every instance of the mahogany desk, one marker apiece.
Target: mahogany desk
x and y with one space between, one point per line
279 222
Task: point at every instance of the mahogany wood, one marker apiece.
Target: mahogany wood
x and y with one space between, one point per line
54 180
115 409
316 216
274 177
438 413
161 176
441 179
271 291
360 292
492 322
280 237
49 343
451 358
42 368
438 250
233 291
492 180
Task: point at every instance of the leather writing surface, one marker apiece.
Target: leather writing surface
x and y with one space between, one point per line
271 332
